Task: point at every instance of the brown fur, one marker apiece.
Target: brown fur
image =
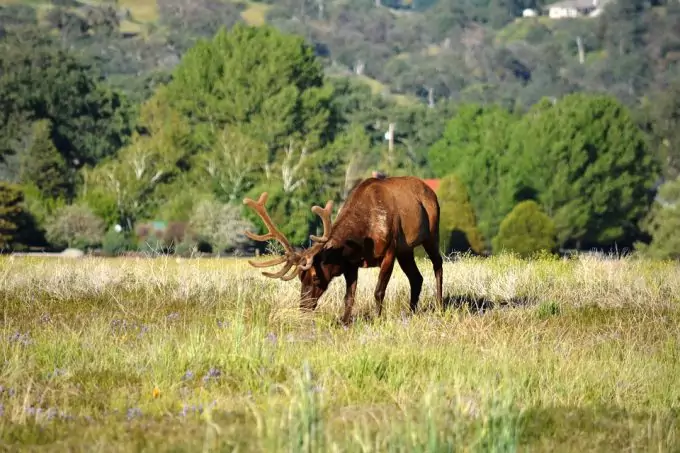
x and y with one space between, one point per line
382 220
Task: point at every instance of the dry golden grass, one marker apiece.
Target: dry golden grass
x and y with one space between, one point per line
142 10
165 354
255 14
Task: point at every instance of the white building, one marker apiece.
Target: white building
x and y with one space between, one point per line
574 8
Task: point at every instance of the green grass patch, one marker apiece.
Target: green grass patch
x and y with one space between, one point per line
181 354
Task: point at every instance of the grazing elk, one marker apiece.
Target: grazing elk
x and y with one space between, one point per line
382 220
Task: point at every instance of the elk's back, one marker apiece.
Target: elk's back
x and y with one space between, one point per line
400 211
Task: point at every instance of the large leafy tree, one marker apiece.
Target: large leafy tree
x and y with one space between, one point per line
589 166
257 98
663 222
136 179
268 83
39 80
43 166
661 120
474 147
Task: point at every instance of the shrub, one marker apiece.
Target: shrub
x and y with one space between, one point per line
220 225
526 230
116 242
74 226
11 198
458 223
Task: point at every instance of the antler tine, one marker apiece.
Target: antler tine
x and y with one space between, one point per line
269 263
274 233
282 272
325 215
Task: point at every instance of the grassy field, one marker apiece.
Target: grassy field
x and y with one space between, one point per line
206 355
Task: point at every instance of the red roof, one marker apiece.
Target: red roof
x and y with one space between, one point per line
433 183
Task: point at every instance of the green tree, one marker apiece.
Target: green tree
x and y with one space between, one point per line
268 83
588 164
38 80
260 109
458 224
139 175
42 165
661 120
11 210
474 147
662 223
526 230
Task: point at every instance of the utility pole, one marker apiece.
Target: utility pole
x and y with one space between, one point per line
390 144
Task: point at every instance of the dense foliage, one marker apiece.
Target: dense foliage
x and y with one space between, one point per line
458 224
138 114
526 230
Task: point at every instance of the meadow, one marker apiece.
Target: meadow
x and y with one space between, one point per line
170 354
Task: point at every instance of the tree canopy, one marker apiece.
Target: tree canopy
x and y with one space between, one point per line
589 165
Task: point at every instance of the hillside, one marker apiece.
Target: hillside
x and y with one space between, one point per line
469 50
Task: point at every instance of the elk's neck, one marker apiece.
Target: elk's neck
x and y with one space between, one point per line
348 225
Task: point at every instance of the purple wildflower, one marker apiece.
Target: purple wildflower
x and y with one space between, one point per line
51 413
173 316
134 412
57 372
188 375
22 338
213 373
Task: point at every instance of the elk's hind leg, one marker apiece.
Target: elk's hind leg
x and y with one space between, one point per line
383 279
432 249
407 262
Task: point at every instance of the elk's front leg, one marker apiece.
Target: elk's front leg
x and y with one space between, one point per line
351 278
383 279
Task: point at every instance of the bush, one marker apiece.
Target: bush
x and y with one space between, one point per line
74 226
526 230
116 243
458 224
662 224
220 225
11 198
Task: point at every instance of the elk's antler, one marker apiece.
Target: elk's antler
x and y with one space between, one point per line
291 257
274 233
325 215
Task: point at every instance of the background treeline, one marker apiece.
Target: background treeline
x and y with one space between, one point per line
159 117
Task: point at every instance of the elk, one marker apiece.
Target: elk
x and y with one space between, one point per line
382 220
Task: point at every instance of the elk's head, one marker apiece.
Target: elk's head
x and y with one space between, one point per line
315 266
